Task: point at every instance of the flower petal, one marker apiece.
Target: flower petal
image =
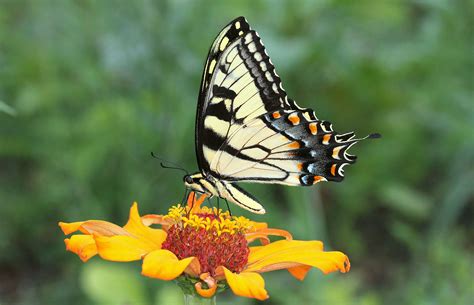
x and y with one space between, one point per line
136 227
153 219
263 234
193 203
281 246
258 225
211 283
246 284
70 227
164 265
98 227
284 254
299 272
194 268
122 248
83 245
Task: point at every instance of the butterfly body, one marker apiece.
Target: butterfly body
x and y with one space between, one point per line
248 130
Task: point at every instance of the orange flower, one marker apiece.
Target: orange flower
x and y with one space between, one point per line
203 248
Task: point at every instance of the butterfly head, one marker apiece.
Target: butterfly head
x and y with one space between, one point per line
198 183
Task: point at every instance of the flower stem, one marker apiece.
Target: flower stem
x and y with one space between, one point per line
190 299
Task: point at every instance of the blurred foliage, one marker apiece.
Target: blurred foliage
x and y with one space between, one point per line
89 88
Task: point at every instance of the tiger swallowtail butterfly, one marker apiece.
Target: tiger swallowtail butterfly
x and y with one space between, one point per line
248 130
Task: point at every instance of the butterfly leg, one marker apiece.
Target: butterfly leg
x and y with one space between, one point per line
193 194
228 207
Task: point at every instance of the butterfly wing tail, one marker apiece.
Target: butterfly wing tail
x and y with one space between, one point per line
321 152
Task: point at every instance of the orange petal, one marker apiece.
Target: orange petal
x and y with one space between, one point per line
193 203
264 233
122 248
258 225
246 284
284 254
153 219
102 228
113 242
98 227
83 245
164 265
194 268
136 227
68 228
259 252
211 283
299 272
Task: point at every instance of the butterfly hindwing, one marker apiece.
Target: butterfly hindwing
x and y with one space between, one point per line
284 147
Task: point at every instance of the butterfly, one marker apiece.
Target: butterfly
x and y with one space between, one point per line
248 130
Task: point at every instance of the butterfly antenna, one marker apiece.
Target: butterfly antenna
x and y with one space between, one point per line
175 166
374 136
183 201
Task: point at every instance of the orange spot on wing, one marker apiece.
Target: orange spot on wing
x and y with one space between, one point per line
333 170
318 179
294 145
300 166
335 152
313 128
326 139
276 115
294 118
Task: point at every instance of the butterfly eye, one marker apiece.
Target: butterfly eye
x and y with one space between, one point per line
188 179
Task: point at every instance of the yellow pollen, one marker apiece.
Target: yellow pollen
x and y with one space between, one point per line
209 219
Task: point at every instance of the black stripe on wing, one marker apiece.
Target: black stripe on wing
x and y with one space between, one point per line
263 72
236 28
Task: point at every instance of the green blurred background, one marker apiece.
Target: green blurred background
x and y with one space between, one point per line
89 88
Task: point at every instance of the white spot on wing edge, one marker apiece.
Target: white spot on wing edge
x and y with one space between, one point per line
212 65
323 126
340 171
252 47
335 152
275 88
269 77
346 155
223 43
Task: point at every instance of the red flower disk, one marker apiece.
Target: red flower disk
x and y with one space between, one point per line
210 248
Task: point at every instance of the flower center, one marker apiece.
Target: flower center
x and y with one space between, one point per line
214 237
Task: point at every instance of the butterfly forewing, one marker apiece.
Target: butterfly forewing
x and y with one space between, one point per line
239 84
